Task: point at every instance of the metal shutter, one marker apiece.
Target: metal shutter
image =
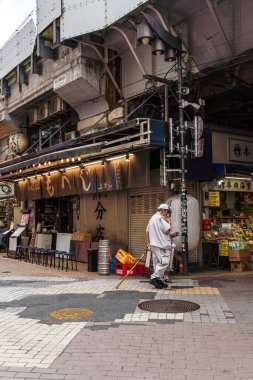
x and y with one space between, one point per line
142 205
191 188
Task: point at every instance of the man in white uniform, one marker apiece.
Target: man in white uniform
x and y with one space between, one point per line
159 236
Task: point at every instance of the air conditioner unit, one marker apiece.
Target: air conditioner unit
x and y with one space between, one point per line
56 104
42 111
33 116
70 136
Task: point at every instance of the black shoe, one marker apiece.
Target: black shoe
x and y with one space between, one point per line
157 283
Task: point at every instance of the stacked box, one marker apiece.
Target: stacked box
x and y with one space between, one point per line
241 266
122 269
141 269
82 236
125 257
239 256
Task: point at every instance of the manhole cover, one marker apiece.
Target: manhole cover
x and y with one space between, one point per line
168 306
70 313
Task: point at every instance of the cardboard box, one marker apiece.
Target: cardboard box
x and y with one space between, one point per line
83 236
241 266
243 255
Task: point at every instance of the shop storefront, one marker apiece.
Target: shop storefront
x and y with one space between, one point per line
89 201
227 222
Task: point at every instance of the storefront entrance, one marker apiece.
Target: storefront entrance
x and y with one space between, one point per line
55 214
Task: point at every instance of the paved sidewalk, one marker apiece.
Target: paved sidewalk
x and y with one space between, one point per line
119 340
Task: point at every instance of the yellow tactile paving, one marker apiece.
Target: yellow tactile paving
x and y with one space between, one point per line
197 290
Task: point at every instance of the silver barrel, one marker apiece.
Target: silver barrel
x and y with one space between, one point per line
104 253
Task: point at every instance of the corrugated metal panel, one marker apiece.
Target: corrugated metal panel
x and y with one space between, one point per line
93 15
18 48
142 205
47 12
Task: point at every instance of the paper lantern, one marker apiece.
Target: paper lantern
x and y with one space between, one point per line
193 220
18 142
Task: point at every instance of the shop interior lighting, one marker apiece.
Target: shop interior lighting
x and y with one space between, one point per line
238 178
79 158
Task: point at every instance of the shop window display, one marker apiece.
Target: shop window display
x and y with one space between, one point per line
230 225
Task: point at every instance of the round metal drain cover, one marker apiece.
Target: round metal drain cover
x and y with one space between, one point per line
168 306
71 313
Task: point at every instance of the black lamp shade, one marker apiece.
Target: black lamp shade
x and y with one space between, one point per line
170 55
158 47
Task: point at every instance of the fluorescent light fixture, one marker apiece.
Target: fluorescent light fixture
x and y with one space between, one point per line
92 163
118 157
72 167
238 178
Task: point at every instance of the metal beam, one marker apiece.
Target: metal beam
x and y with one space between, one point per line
218 23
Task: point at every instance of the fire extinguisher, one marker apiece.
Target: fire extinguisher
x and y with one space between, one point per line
181 269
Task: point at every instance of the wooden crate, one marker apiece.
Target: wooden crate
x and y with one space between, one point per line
241 266
243 255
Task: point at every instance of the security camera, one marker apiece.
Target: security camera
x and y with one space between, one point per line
184 90
195 106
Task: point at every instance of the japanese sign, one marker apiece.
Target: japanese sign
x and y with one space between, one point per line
214 198
6 189
234 185
240 150
223 248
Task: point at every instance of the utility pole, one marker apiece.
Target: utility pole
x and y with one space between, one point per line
182 157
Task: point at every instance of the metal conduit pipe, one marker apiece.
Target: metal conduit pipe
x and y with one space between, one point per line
105 64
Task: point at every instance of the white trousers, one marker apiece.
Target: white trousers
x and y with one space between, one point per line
161 261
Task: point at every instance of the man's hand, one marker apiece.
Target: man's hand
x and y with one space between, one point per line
173 234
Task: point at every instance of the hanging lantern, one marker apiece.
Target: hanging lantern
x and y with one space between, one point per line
18 142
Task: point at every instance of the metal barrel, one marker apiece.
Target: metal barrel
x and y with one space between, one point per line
104 250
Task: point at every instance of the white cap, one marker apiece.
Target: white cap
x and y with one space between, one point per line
163 206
